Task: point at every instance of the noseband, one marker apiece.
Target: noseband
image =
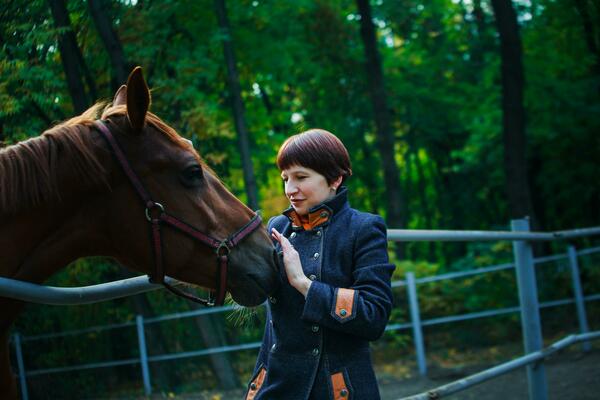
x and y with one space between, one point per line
157 216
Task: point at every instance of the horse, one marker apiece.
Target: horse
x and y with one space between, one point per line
66 194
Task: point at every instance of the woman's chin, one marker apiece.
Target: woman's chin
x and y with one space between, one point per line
300 210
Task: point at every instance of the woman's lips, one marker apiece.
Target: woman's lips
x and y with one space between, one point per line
296 202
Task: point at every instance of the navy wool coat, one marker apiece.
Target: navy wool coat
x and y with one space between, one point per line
318 347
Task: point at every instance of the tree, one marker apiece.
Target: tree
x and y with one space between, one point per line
513 118
111 42
212 331
71 57
590 33
233 82
385 134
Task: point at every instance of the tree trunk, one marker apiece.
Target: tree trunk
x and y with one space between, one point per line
425 204
211 327
89 79
40 112
111 42
479 42
70 55
385 135
513 119
233 82
370 180
155 339
591 38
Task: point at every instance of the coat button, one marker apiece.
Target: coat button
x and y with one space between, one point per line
274 347
293 235
343 393
315 256
315 352
319 233
312 277
315 328
343 312
272 299
324 214
253 386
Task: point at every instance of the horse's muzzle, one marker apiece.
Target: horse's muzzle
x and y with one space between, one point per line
278 260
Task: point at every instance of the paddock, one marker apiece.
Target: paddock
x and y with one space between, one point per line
529 309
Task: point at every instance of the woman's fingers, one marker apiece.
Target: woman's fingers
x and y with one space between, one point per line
275 234
286 246
293 266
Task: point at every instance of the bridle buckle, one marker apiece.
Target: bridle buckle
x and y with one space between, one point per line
225 247
153 205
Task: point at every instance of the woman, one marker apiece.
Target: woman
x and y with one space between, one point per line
335 294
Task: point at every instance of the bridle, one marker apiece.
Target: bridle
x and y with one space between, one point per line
157 216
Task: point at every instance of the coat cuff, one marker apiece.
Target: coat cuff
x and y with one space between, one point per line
318 302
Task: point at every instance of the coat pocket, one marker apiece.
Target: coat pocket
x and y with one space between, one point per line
256 383
340 385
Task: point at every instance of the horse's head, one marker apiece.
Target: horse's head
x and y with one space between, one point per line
173 173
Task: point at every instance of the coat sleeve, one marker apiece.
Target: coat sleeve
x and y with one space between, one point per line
362 309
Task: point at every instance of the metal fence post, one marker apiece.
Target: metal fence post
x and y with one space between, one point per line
21 365
415 317
143 355
578 293
530 311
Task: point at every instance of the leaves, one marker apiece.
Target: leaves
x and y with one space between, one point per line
301 66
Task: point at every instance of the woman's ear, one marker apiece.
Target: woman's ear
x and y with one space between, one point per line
336 184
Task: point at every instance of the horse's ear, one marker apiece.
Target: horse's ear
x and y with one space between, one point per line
120 97
138 99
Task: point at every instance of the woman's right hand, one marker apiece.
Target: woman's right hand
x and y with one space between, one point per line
293 265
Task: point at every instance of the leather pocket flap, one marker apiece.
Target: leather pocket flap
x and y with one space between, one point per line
256 383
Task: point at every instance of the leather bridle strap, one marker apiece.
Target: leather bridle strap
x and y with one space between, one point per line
157 216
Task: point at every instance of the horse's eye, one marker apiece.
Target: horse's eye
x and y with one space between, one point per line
192 176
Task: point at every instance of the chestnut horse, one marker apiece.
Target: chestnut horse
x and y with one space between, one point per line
64 196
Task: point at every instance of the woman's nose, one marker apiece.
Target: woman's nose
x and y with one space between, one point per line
290 189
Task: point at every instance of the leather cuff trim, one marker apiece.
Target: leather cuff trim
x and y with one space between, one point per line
344 307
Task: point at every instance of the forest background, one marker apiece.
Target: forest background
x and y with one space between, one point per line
458 114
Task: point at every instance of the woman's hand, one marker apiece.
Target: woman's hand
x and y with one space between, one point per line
293 266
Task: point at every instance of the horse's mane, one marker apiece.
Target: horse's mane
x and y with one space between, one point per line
28 169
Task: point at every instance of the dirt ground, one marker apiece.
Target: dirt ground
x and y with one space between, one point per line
572 375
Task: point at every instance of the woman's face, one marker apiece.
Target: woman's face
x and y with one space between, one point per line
305 188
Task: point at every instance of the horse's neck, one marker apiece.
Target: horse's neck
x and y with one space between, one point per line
40 239
34 244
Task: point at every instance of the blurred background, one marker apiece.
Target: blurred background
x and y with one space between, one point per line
458 114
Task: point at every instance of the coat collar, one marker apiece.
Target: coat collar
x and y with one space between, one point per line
321 214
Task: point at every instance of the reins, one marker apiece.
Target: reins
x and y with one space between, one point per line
157 216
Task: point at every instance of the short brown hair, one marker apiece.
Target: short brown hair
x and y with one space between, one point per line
319 150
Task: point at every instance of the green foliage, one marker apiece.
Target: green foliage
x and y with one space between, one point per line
301 65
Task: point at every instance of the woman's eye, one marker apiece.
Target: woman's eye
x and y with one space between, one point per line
192 176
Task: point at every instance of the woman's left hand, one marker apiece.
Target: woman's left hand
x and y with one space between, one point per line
293 266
